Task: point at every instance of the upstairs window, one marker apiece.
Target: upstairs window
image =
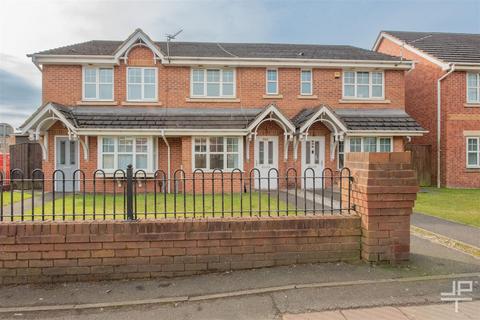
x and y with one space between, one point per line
363 85
306 83
272 81
98 84
213 83
473 87
211 153
473 152
141 84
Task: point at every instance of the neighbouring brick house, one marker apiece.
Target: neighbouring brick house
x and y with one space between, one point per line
446 77
185 105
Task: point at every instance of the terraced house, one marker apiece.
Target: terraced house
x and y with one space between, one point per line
184 105
443 94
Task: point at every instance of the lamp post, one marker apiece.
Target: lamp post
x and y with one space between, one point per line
5 131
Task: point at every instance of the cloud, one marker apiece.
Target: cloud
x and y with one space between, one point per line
18 98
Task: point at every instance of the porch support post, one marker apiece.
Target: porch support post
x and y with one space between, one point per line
84 146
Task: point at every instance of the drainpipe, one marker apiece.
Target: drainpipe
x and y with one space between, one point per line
439 120
168 159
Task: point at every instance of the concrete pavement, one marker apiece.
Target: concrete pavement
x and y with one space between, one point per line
457 231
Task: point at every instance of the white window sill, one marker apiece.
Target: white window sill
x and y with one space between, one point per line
207 99
110 174
273 96
97 103
141 103
226 171
307 97
472 105
364 101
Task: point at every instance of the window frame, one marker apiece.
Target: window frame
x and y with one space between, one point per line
310 82
268 81
370 85
221 82
477 87
341 153
142 84
97 83
477 165
377 143
151 153
224 152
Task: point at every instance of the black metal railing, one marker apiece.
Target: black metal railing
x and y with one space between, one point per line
130 195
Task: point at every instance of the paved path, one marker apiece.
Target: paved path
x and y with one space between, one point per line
466 311
457 231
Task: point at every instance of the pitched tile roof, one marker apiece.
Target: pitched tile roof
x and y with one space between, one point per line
449 47
229 50
120 117
359 119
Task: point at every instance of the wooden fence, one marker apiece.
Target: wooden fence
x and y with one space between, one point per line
422 162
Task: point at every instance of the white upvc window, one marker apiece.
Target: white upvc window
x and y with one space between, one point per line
363 85
272 81
120 151
370 144
473 87
213 83
211 153
97 84
340 154
306 87
473 152
141 84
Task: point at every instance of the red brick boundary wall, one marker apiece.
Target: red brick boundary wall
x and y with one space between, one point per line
101 250
384 191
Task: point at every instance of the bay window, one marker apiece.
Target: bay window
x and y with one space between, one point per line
473 152
141 84
213 83
118 152
97 83
363 85
473 87
370 144
211 153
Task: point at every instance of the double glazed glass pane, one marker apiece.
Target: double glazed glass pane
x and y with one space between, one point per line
198 78
272 81
201 161
232 145
141 161
355 144
261 152
124 160
385 145
125 144
216 161
377 84
306 82
349 84
90 83
473 152
134 75
232 161
370 144
363 84
213 83
149 84
200 145
141 145
216 144
108 161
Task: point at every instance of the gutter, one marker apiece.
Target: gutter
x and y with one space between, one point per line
168 159
439 121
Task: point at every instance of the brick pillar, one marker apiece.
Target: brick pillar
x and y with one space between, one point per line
383 192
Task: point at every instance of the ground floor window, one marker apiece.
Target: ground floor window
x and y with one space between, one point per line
473 152
370 144
118 152
341 154
211 153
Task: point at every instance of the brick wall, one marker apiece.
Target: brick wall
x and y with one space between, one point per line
384 191
95 250
63 84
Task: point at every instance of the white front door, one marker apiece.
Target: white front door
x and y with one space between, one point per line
313 157
66 154
266 158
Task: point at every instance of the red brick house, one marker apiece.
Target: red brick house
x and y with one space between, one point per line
184 105
442 92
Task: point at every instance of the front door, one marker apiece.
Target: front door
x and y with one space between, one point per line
67 161
266 158
313 157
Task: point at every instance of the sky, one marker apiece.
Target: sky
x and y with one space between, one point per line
32 26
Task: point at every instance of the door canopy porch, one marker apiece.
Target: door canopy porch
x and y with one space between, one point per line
271 114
